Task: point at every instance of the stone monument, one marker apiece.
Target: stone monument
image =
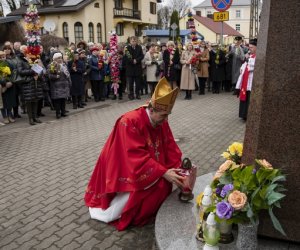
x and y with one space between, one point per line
273 124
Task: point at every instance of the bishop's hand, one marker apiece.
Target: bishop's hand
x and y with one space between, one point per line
172 176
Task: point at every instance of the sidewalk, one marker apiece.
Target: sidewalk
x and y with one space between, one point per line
45 169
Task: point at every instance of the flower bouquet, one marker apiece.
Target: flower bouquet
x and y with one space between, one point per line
5 71
194 62
241 191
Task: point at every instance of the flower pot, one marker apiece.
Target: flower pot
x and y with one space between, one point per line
247 236
226 236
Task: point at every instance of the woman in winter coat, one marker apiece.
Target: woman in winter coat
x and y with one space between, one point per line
60 84
171 60
32 88
153 60
16 88
202 68
187 82
8 96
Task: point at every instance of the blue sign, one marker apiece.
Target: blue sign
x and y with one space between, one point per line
221 5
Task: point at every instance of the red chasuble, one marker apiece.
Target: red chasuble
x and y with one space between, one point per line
134 159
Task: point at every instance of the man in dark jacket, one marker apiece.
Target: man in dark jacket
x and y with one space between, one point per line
76 68
97 75
133 57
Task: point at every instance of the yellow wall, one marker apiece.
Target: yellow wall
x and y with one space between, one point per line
96 15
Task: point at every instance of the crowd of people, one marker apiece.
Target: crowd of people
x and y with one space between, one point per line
83 72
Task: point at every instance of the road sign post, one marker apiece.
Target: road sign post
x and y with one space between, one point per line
174 26
221 6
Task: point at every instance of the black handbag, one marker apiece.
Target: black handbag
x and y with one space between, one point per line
16 78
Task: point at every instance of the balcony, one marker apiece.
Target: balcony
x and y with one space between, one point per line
127 13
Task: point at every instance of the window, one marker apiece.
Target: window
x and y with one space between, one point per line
208 12
96 5
138 31
99 33
238 27
135 4
118 4
238 14
152 8
78 30
65 31
91 32
120 29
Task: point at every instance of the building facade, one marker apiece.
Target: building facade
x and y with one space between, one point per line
239 14
210 30
92 20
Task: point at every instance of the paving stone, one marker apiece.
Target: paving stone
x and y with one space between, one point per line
73 245
67 239
28 236
48 232
66 229
46 243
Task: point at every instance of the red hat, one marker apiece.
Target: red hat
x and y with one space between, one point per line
94 48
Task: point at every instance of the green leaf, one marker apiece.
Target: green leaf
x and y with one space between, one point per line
249 211
274 196
280 189
270 189
277 204
276 222
279 178
247 174
263 174
225 179
255 193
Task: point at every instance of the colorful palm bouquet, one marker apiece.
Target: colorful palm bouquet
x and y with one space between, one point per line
241 191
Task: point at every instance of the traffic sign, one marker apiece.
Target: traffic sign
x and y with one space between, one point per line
174 26
221 16
221 5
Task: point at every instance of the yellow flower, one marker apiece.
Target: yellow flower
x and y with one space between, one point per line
236 148
237 200
265 164
226 155
7 71
199 199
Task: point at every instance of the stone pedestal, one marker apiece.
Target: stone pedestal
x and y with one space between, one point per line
273 125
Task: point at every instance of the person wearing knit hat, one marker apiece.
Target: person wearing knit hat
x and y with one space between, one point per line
60 84
244 83
57 55
138 164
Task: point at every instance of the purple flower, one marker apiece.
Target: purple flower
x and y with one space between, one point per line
218 190
254 171
224 210
226 189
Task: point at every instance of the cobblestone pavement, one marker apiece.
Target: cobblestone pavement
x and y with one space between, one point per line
45 168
